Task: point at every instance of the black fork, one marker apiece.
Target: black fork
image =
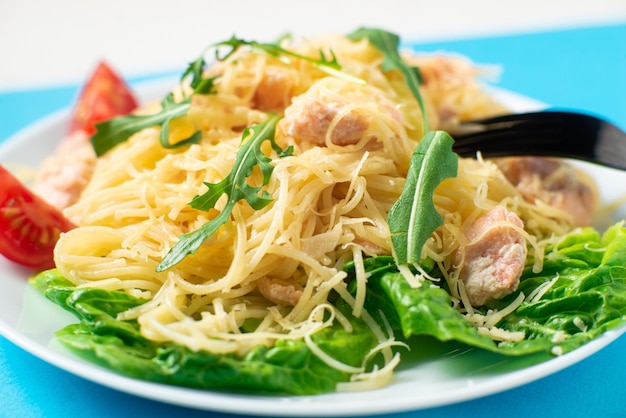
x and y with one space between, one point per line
549 133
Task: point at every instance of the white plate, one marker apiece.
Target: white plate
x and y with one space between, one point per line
442 375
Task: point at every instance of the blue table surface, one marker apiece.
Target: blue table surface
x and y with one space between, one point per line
581 68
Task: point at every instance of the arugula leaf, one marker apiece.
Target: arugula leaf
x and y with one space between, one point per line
387 43
117 130
328 64
235 186
413 217
199 83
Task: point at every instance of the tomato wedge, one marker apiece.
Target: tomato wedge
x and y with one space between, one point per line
104 96
29 227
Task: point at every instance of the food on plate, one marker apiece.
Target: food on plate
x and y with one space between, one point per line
104 96
62 176
29 227
554 182
492 261
291 216
31 223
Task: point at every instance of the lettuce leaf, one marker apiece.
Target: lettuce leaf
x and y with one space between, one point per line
587 298
289 367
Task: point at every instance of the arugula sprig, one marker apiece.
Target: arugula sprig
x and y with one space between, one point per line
387 43
414 217
326 62
199 83
117 130
235 186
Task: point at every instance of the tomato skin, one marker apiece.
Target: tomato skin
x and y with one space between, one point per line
104 96
29 226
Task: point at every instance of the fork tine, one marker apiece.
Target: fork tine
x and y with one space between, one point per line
507 140
557 134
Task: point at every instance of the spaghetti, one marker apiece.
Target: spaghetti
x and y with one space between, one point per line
277 267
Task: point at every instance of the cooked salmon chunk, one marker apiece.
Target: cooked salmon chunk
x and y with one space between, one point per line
62 177
554 182
279 291
336 112
493 260
311 119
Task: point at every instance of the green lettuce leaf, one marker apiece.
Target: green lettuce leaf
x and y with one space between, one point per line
289 367
587 298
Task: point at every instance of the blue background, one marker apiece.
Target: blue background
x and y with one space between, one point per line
583 68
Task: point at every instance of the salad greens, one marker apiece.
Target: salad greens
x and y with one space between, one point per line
287 367
388 43
117 130
587 298
413 218
329 65
235 186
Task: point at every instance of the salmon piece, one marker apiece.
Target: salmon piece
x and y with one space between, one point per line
554 182
309 119
62 177
338 112
451 83
274 92
445 69
279 291
493 260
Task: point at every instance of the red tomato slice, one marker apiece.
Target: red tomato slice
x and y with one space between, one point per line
104 96
29 227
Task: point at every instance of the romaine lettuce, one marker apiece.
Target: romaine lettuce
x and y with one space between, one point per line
587 298
289 367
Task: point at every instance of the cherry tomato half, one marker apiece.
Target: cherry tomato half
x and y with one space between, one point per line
104 96
29 227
